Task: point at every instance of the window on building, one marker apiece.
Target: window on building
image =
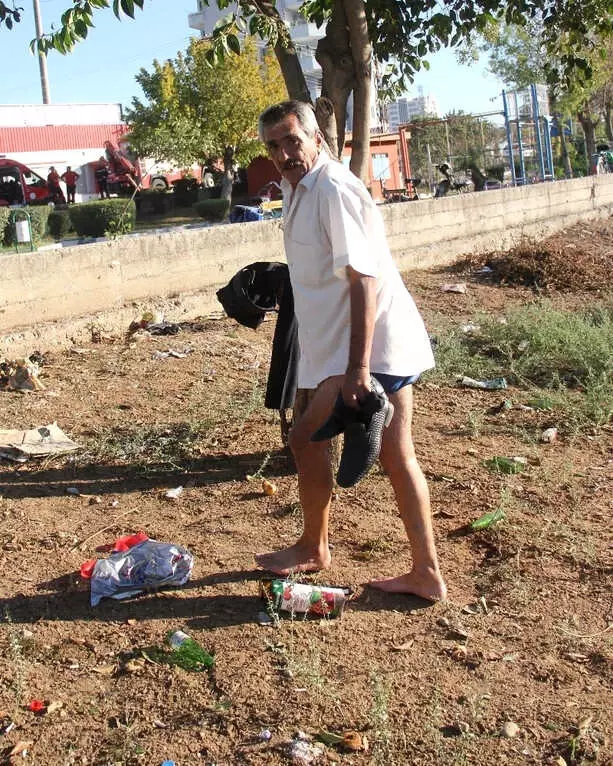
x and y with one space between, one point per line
381 167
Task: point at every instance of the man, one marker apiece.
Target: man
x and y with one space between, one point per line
70 178
354 317
53 185
101 174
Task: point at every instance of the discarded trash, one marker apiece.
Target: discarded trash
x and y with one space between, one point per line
188 654
484 270
21 374
268 488
488 520
168 763
304 753
495 384
73 491
549 435
508 465
303 598
454 287
504 406
36 706
469 329
174 494
172 353
19 446
265 735
264 619
147 565
509 730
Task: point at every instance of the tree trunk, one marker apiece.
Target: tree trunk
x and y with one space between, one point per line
361 54
338 78
568 168
228 173
292 72
608 122
589 131
324 113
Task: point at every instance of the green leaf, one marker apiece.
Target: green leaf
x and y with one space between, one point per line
234 44
127 7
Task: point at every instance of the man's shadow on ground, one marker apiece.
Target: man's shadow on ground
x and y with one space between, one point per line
108 478
66 599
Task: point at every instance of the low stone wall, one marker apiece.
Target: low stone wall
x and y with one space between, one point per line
53 296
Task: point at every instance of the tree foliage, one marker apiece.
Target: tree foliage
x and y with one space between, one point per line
193 110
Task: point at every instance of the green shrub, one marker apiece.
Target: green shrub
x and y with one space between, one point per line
4 226
58 224
212 209
97 218
38 221
154 202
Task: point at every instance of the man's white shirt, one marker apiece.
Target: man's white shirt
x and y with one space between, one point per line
330 222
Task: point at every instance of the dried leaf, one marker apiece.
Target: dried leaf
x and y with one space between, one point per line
53 707
354 741
403 647
105 670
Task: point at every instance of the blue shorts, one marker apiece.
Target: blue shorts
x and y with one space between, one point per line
393 383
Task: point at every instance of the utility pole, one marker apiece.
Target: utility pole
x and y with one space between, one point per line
42 58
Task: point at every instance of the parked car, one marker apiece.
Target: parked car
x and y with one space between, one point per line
20 185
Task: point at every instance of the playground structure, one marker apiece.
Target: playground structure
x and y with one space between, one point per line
523 152
528 137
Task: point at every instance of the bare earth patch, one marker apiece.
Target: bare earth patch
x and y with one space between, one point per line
525 637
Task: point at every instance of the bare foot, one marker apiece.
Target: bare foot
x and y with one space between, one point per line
296 558
430 585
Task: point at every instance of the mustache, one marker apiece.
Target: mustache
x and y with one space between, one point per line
291 164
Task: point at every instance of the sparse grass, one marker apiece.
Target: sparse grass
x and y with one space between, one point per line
563 357
164 445
383 745
374 549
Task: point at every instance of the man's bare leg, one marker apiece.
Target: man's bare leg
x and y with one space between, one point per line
310 553
413 499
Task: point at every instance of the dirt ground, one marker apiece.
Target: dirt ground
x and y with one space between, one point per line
525 637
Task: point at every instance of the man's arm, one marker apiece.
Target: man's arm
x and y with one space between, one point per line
363 300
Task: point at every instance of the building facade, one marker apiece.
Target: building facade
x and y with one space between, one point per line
42 135
404 110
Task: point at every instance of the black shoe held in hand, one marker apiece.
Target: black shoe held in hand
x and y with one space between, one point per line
363 430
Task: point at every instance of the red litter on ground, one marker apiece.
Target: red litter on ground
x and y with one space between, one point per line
120 545
37 706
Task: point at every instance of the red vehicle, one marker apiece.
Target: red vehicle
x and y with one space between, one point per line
20 185
127 172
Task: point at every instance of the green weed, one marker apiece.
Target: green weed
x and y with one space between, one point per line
564 358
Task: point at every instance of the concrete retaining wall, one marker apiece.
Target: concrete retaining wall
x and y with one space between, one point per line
53 296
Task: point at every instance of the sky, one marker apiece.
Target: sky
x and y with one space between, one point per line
103 67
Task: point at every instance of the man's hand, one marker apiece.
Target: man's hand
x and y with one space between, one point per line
355 386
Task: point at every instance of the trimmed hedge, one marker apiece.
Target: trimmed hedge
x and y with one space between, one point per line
97 218
59 224
4 226
38 219
185 191
212 209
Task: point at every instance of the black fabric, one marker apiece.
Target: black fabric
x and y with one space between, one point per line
257 288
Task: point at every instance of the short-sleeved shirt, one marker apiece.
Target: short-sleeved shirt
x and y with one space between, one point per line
330 222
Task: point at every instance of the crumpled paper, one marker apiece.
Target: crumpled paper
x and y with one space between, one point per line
146 566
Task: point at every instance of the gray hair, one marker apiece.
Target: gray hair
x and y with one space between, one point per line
300 109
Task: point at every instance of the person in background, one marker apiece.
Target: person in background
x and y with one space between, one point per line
102 178
70 178
53 184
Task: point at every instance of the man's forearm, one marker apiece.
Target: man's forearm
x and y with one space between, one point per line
363 299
